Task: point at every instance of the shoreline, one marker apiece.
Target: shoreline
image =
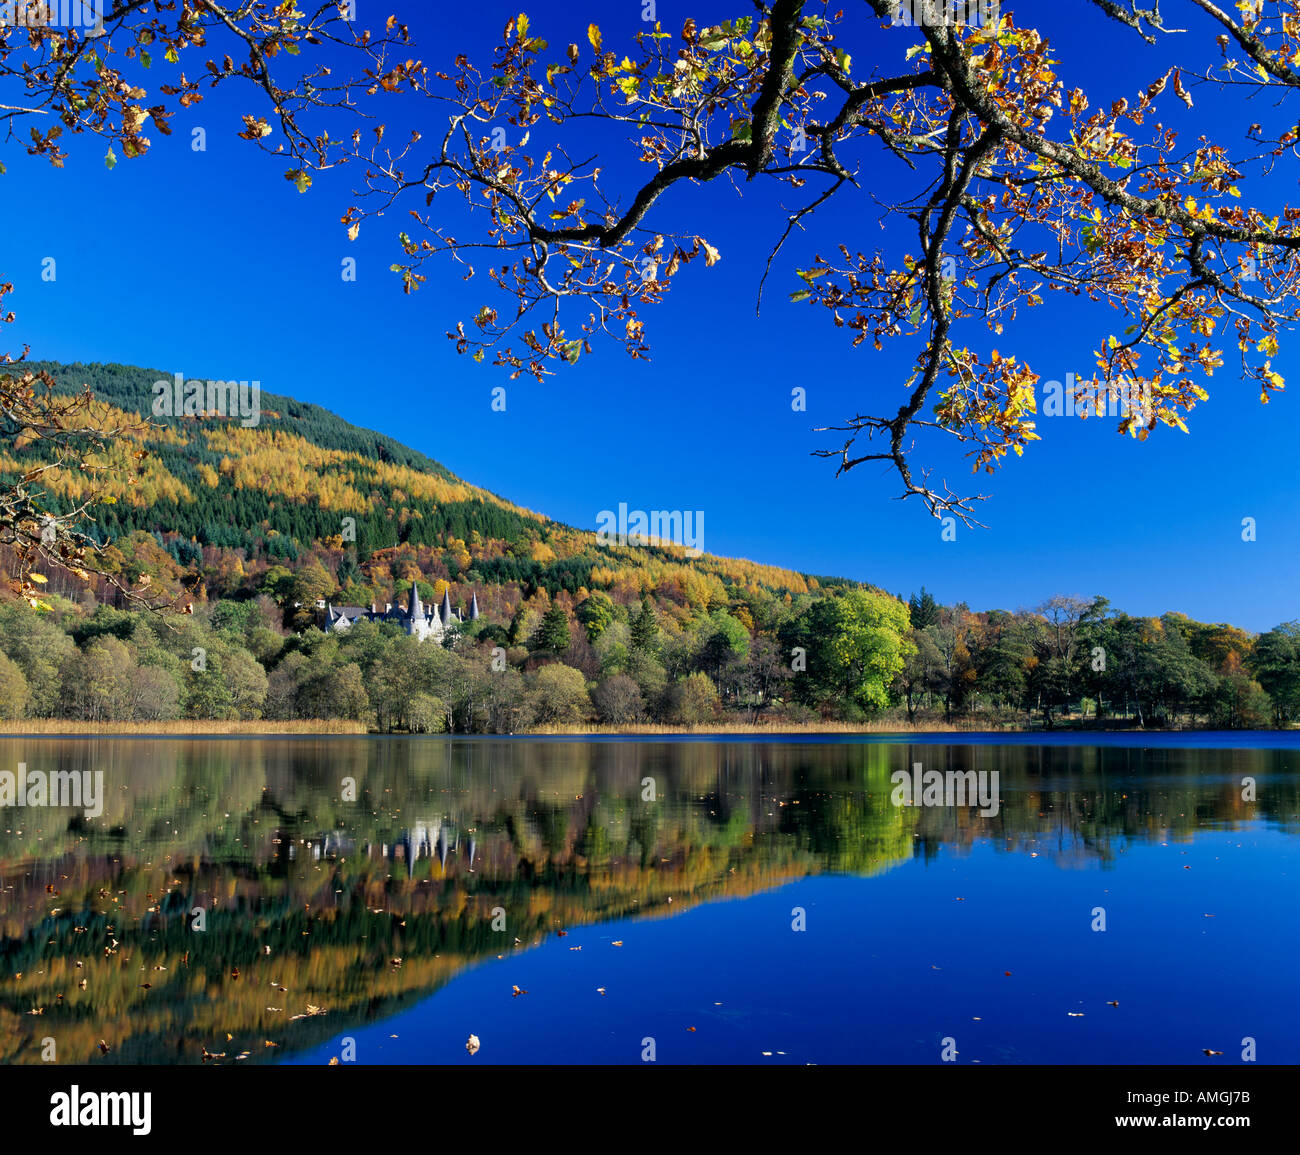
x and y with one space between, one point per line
327 728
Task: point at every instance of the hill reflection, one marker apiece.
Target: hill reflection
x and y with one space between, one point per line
338 880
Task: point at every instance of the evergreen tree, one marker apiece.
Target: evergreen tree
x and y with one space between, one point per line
924 610
349 571
552 635
645 628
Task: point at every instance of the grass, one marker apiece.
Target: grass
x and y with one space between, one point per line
777 726
180 727
327 726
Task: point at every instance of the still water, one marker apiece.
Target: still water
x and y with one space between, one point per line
1135 899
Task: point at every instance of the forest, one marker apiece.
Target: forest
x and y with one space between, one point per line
242 536
849 655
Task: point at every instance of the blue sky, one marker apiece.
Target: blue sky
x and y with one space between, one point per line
211 264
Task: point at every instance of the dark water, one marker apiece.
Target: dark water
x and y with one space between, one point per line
769 895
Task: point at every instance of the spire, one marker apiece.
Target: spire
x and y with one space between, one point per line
417 610
444 611
473 608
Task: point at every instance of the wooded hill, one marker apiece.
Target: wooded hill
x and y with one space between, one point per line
248 529
282 489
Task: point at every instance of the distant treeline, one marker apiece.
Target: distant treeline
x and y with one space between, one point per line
847 653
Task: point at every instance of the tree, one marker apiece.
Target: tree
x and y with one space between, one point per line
596 613
955 673
767 673
857 642
651 678
311 584
917 677
618 700
726 641
1022 190
924 610
97 682
1002 653
694 700
645 628
39 648
428 715
559 695
155 695
552 635
1057 641
1276 666
349 572
14 694
64 82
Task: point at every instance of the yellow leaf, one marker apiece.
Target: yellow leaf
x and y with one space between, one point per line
593 35
39 578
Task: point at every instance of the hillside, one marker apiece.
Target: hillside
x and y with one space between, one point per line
282 488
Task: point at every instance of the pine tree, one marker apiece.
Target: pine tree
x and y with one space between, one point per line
645 628
553 634
924 610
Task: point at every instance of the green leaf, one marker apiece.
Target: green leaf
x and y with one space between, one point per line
801 295
110 159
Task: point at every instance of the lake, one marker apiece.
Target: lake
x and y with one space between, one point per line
1131 899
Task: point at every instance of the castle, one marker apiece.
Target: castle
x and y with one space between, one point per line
419 621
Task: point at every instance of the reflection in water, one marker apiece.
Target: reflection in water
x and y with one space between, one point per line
278 890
